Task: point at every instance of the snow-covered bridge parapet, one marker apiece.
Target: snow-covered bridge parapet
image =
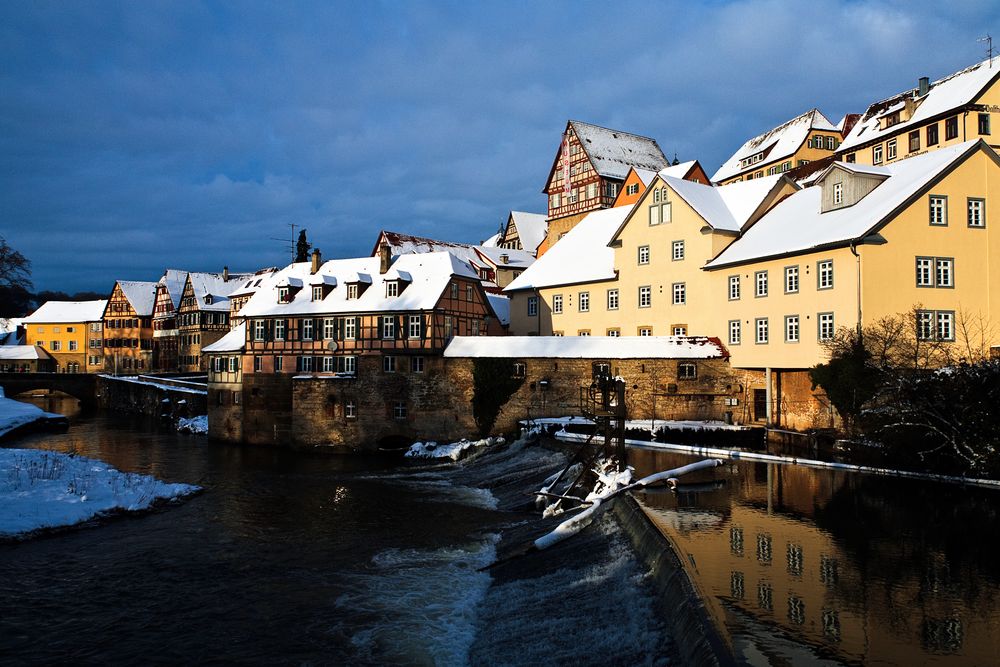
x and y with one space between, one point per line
669 377
151 396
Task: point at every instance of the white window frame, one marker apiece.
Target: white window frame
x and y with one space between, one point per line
792 329
734 288
532 306
557 304
613 299
760 284
583 302
677 251
838 193
735 332
824 326
307 328
280 328
645 296
415 328
679 293
824 274
643 255
350 328
938 210
792 279
391 288
761 331
976 207
388 327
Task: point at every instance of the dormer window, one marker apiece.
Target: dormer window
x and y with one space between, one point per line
317 293
392 288
208 299
352 291
283 295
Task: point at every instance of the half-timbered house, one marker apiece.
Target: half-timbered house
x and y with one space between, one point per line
203 315
128 327
168 299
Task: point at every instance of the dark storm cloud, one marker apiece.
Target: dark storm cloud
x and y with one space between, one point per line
145 135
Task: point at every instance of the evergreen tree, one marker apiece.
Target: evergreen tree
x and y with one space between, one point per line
302 248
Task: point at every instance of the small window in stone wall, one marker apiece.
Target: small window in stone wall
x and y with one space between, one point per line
519 369
601 369
687 371
350 409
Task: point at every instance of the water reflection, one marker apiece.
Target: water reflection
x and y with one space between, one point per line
854 568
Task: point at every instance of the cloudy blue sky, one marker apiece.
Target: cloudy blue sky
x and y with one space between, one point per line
144 135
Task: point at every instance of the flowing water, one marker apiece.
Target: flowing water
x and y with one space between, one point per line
292 558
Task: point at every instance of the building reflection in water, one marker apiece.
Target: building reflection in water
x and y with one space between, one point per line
798 563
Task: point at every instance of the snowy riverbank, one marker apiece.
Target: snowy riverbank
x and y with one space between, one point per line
41 489
452 450
15 414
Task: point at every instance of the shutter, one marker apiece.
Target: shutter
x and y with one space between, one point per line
400 324
268 330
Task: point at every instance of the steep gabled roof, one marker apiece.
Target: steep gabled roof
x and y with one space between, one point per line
212 284
779 142
613 152
140 294
173 280
796 225
949 93
581 256
531 229
53 312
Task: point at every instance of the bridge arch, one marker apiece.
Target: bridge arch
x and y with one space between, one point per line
80 386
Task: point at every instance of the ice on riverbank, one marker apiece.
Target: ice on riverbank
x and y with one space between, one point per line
650 425
196 425
453 451
15 414
42 489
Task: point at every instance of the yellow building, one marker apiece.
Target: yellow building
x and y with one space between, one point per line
958 108
801 140
72 332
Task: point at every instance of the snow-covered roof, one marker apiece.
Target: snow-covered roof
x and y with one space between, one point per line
405 244
234 341
431 272
492 241
796 225
952 92
501 307
141 294
676 170
320 279
646 176
252 283
586 347
213 284
173 280
516 259
613 152
581 256
54 312
22 353
780 142
395 274
725 207
531 229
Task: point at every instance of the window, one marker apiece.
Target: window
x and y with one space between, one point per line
645 296
760 283
470 293
734 332
654 211
944 277
416 328
677 251
687 371
350 410
55 345
70 329
519 369
914 141
532 306
584 302
283 295
279 364
352 291
679 330
851 158
258 363
977 212
307 328
591 190
350 328
279 330
388 327
734 288
632 189
761 327
583 332
925 325
347 365
328 328
417 364
838 193
932 135
984 123
614 333
925 272
665 210
644 254
877 154
234 364
831 143
791 279
890 149
945 325
557 304
612 299
73 346
305 364
216 364
389 363
449 328
391 288
645 331
825 326
791 328
951 128
824 274
317 293
938 210
680 294
258 329
329 365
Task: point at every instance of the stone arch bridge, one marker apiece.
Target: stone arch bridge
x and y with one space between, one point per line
81 386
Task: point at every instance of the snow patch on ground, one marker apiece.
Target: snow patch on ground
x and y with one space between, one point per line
647 424
197 425
14 414
453 451
42 489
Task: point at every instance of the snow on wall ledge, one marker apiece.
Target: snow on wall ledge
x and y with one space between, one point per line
587 347
41 489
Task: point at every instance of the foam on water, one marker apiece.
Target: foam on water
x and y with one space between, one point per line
419 606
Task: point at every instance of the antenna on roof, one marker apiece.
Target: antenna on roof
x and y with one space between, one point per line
290 241
989 47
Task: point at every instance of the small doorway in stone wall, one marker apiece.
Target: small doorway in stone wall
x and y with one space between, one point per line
760 405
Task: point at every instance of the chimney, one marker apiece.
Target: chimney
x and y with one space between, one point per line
504 258
923 86
384 255
317 259
225 274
